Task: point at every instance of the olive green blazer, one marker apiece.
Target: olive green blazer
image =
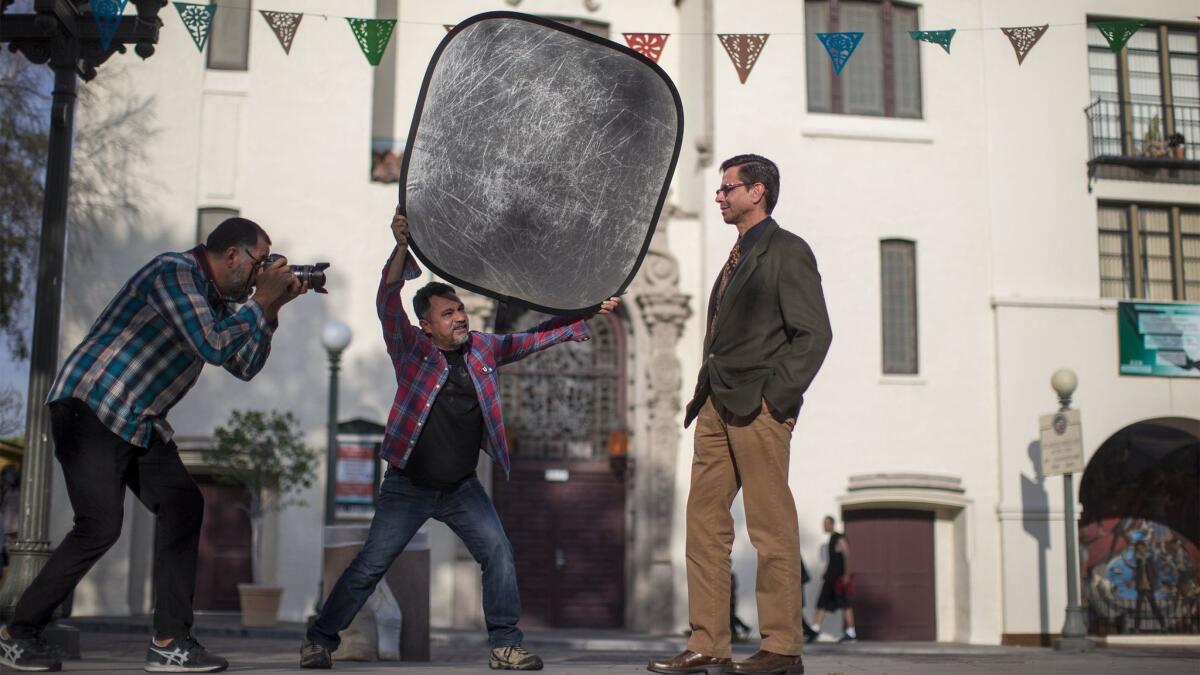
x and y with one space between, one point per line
771 333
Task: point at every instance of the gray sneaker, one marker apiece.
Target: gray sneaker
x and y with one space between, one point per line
31 654
514 657
183 655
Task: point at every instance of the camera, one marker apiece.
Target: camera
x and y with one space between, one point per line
313 275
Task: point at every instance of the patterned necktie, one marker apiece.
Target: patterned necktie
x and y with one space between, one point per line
735 255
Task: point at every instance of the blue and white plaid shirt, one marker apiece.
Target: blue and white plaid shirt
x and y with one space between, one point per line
148 346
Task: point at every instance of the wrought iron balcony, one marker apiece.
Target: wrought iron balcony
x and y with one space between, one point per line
1144 141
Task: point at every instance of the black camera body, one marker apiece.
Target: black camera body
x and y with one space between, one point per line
313 275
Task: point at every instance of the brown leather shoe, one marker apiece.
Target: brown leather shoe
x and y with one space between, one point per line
769 663
689 661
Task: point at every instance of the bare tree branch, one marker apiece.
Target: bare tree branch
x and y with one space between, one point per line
12 412
113 128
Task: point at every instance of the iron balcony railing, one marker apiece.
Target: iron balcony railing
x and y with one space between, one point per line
1144 141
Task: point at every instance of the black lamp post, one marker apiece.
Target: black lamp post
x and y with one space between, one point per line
63 35
335 337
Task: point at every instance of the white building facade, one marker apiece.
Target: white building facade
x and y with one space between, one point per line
966 254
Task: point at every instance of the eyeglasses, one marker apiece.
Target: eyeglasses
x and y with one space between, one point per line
725 189
260 264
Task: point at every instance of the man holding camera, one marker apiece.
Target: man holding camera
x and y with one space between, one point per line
446 409
108 410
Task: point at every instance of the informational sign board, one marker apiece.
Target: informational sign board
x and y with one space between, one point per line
357 474
1062 443
1159 338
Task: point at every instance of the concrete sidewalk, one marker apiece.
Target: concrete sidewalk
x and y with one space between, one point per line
118 644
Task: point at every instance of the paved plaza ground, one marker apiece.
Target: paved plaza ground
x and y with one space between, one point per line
113 648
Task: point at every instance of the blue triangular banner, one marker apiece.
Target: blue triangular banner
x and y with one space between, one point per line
107 14
937 37
841 47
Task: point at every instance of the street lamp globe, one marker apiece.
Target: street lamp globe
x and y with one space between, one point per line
335 336
1064 382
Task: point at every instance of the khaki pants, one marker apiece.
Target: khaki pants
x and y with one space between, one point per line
732 454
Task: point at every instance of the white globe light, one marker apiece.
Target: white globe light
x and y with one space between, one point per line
1064 382
335 335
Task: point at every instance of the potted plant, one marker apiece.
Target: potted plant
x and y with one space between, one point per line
1152 140
1176 147
264 453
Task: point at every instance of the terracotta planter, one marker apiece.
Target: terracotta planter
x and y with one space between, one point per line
260 604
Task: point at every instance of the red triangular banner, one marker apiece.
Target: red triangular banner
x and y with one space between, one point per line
649 45
1023 38
744 50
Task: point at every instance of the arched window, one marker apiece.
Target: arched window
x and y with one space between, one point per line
566 402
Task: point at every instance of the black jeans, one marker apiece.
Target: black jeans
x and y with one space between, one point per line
98 465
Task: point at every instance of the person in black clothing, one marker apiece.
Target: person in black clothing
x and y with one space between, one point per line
809 633
835 590
740 629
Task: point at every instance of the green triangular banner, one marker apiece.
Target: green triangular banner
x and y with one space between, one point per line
1118 32
198 20
937 37
373 36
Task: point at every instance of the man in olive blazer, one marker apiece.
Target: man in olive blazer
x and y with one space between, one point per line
767 335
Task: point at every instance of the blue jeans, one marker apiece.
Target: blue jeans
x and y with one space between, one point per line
401 510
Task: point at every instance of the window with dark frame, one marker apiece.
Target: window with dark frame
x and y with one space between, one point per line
884 76
1149 93
898 300
1189 248
1149 252
1116 271
207 220
229 35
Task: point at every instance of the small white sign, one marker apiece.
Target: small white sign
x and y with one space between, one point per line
1062 443
558 475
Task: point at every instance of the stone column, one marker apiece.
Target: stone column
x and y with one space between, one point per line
664 311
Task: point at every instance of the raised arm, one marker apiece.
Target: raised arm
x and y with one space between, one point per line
398 330
275 287
512 347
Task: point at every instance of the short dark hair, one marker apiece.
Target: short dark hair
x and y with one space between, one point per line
235 232
757 169
421 299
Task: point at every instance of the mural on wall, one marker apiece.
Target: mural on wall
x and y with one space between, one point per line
1140 531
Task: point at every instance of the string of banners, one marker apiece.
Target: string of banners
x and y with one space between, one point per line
744 49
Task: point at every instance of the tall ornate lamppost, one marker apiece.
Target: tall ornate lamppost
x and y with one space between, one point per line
62 34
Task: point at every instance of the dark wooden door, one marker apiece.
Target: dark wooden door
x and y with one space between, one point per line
891 558
224 559
568 541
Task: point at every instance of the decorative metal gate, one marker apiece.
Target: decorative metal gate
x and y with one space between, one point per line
564 504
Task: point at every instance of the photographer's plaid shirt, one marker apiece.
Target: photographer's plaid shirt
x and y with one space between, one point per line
149 345
421 369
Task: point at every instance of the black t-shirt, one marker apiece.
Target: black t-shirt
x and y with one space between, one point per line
448 448
837 561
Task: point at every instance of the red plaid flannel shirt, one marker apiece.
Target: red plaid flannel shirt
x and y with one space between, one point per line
421 369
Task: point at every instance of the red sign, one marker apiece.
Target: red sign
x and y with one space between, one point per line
355 473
